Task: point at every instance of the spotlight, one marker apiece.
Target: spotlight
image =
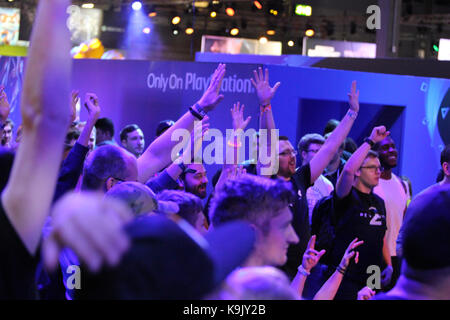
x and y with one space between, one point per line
309 32
290 43
263 40
146 30
234 31
85 5
136 5
152 12
257 5
270 32
189 29
175 31
230 10
213 14
274 7
176 19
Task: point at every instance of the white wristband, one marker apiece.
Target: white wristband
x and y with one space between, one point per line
303 271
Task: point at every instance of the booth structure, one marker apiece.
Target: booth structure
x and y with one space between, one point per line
414 109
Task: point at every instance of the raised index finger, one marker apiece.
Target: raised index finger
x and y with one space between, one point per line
311 242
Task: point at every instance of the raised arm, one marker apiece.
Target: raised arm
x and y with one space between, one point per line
322 158
4 108
158 154
265 95
93 109
310 259
345 180
330 287
45 119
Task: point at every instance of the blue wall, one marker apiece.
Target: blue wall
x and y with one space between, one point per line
125 96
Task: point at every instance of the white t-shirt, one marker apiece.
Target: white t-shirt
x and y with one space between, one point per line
395 198
321 188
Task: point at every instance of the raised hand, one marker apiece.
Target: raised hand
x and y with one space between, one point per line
378 134
4 105
237 114
211 96
263 90
89 225
92 106
311 256
73 105
350 253
232 172
353 98
365 293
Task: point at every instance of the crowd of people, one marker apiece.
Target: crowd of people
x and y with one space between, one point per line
83 216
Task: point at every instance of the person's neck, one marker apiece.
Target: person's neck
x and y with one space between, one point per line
414 290
386 174
445 181
362 187
254 260
333 166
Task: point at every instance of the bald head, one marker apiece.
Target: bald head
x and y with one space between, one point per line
106 166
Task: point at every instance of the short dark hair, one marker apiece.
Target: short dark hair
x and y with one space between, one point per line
445 155
10 122
104 162
283 138
72 134
308 139
190 205
163 126
330 126
105 125
372 154
125 131
250 198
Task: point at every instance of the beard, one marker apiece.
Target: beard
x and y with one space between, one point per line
199 191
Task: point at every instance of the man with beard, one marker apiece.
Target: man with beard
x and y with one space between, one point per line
194 180
395 195
132 139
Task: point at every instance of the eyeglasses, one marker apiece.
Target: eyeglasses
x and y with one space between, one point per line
288 153
373 168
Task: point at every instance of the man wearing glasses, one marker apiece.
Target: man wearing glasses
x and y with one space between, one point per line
303 177
360 214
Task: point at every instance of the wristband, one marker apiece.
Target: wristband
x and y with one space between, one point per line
341 270
352 114
303 271
195 114
200 110
182 166
370 142
265 108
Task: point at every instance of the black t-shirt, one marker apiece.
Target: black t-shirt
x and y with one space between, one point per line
363 216
301 181
17 266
